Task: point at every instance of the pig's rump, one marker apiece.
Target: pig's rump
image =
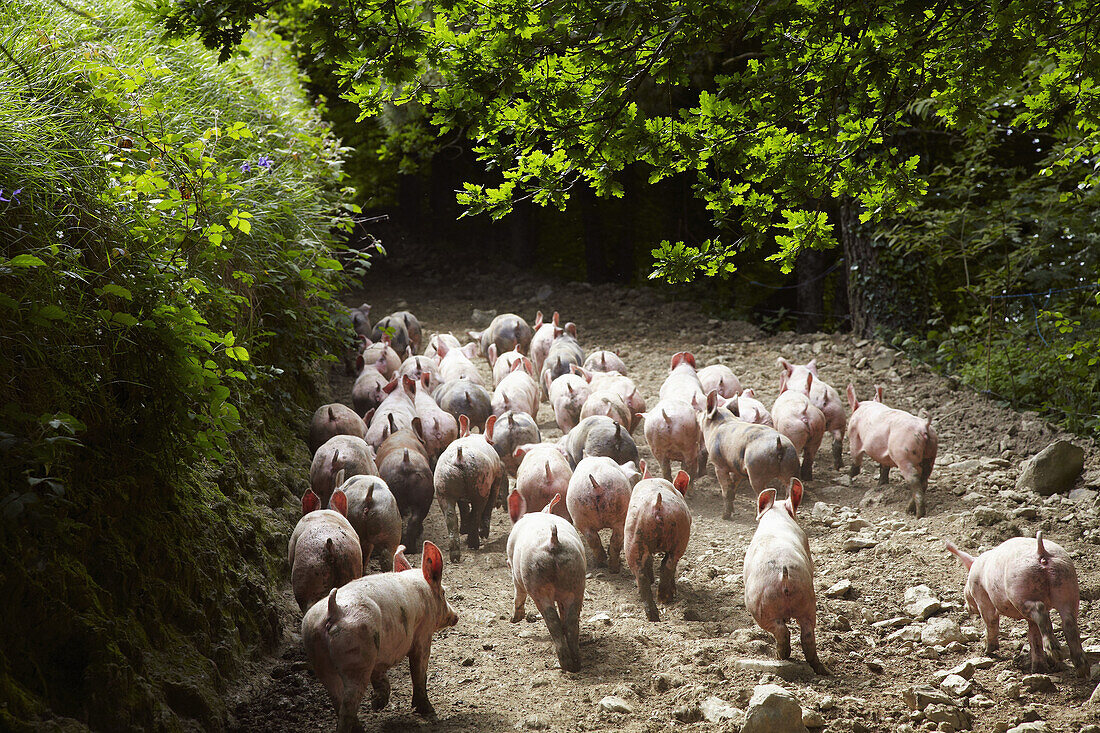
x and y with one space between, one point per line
775 588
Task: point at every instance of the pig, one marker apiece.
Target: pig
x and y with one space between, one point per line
333 419
721 378
361 630
469 475
360 319
623 386
797 418
353 348
455 364
404 465
543 337
418 366
508 331
608 403
824 398
323 551
779 575
657 520
1026 579
431 351
893 437
508 432
379 356
542 474
673 434
567 396
682 382
398 405
599 436
605 361
438 426
750 409
393 328
547 560
598 497
565 353
518 391
368 391
739 450
412 327
502 364
373 512
463 397
347 453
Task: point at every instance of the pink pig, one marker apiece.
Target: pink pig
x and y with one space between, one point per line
345 453
657 520
567 395
436 341
1025 578
682 382
324 550
605 361
508 331
438 426
398 405
418 366
892 438
543 473
750 409
623 386
598 497
797 418
334 419
608 403
673 434
544 336
362 629
368 392
546 557
824 398
518 390
455 363
379 356
373 512
468 478
720 377
779 575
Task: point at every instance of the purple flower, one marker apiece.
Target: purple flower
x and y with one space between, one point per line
264 162
246 167
14 196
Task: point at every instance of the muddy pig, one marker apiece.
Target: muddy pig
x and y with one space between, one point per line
508 331
610 404
565 353
508 432
440 339
518 391
824 398
362 629
546 557
334 419
599 436
455 364
598 497
750 409
367 393
673 434
622 386
797 418
323 551
657 521
779 575
544 336
468 477
373 512
721 378
605 361
739 450
393 328
360 319
438 426
412 327
1027 578
418 366
379 356
502 363
543 473
892 438
398 405
567 395
682 382
345 453
463 397
403 464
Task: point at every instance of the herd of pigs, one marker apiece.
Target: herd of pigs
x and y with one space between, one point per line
378 468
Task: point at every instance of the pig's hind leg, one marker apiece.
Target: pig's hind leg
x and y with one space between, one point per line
549 611
571 623
729 487
448 508
418 668
666 589
520 602
644 579
615 549
1073 641
592 536
809 647
782 634
838 449
1045 649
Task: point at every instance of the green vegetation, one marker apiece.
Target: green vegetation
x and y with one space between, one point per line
168 261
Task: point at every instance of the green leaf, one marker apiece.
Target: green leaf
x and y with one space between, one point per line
114 289
25 261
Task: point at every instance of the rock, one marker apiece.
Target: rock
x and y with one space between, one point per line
1053 470
970 464
687 713
965 670
855 525
544 293
980 663
981 701
715 710
839 589
1037 726
987 515
612 704
891 623
957 686
1094 699
1025 512
920 603
600 618
952 714
854 544
481 319
1083 495
908 633
882 362
876 665
773 710
921 696
538 721
782 668
940 632
1038 683
812 718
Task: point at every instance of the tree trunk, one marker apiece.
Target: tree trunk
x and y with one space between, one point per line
811 290
862 264
524 234
595 245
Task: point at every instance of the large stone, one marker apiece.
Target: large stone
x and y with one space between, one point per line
1053 470
941 632
957 686
715 710
988 516
958 718
612 704
782 668
1035 726
920 603
773 709
921 696
1094 699
839 589
481 319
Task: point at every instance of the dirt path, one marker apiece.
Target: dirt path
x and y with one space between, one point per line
488 674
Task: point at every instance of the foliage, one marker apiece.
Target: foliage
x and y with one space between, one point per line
169 239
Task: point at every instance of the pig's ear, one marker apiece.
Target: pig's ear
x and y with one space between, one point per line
571 329
732 406
488 431
681 482
853 403
471 350
390 386
432 563
546 377
712 402
418 427
639 416
549 508
538 320
750 392
463 426
517 364
310 502
784 365
557 318
492 355
764 502
796 495
783 382
521 451
558 331
339 479
528 366
409 352
644 469
441 347
360 362
812 366
400 562
475 335
365 308
676 359
879 391
517 505
408 384
809 381
425 379
339 502
690 358
368 415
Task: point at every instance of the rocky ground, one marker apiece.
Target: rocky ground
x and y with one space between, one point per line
892 621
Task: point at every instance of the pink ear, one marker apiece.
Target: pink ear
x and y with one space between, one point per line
360 362
400 562
689 358
516 365
557 318
441 347
676 359
432 563
339 502
785 365
782 383
310 502
519 452
408 384
491 354
538 320
489 425
390 386
557 330
463 426
528 366
750 392
809 381
517 506
549 508
796 495
764 502
681 482
571 329
853 403
644 469
712 401
879 391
